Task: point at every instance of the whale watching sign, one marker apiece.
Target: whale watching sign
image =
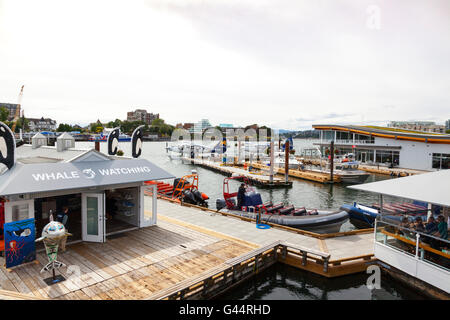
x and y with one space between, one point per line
30 178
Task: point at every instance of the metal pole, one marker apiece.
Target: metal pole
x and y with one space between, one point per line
272 160
381 206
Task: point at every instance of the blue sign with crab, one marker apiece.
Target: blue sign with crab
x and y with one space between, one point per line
19 242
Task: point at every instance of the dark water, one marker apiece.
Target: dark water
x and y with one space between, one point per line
284 282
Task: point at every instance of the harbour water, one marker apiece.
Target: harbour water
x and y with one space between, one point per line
302 194
281 281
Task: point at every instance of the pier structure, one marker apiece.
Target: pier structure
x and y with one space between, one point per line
260 180
377 169
315 176
189 254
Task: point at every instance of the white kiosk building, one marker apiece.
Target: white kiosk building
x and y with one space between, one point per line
104 194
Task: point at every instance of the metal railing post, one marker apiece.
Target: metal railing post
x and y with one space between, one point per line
417 244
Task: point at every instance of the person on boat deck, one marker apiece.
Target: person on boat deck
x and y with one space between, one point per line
418 225
241 196
405 223
442 227
431 225
430 228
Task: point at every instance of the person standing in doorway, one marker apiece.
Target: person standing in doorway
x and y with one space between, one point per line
63 217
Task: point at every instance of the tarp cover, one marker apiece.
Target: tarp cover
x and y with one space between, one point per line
44 177
433 187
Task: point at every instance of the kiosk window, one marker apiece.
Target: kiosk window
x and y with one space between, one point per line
19 212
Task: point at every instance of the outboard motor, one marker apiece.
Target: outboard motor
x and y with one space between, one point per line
220 204
188 197
199 199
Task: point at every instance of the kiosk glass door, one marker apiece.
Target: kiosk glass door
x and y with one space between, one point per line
93 217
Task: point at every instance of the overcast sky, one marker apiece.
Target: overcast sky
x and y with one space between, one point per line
285 64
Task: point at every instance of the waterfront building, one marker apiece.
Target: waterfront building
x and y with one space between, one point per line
142 115
387 146
12 108
200 126
420 259
41 124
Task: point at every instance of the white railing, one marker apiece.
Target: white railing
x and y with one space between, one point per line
349 142
422 246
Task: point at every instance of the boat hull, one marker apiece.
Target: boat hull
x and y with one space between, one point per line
324 222
360 218
354 179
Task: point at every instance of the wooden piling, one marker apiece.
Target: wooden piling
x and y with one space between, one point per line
286 161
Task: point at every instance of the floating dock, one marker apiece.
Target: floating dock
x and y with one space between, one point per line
302 174
260 180
189 254
395 172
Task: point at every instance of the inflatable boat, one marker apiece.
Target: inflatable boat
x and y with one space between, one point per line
364 216
252 206
183 189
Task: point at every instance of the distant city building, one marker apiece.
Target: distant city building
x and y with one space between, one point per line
225 125
142 115
425 126
447 124
12 108
188 126
42 124
200 126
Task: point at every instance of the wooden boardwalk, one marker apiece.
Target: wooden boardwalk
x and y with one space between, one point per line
189 249
134 265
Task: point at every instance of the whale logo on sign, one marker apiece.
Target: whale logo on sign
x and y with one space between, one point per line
89 173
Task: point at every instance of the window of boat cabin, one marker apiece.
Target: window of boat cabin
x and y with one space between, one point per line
441 160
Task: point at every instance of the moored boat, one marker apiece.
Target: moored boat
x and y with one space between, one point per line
364 216
321 221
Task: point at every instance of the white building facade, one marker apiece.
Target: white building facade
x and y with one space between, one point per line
384 146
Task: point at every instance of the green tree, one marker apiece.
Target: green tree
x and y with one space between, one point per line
64 127
447 131
4 114
21 123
